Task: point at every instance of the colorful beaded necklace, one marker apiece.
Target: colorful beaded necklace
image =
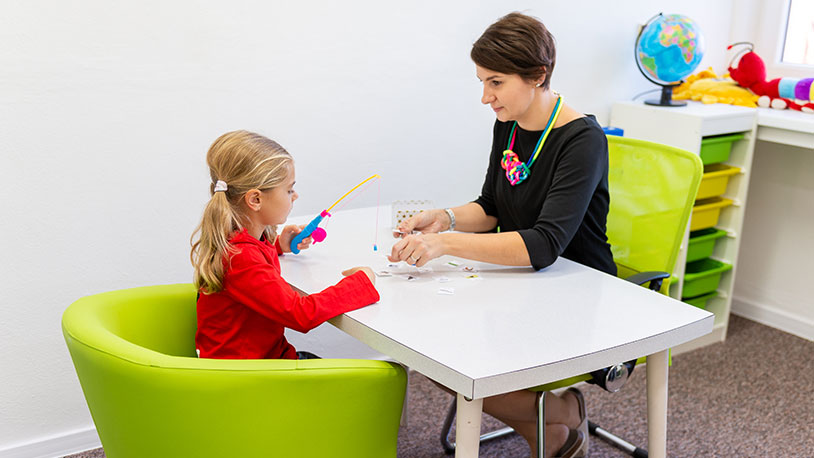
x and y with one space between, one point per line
516 170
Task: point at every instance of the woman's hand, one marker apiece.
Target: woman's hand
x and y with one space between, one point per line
367 270
418 249
427 221
288 233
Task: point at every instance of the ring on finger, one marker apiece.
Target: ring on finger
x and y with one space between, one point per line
414 259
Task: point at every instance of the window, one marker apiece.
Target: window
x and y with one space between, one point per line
798 46
773 26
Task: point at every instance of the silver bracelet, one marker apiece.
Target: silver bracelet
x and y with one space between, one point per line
451 218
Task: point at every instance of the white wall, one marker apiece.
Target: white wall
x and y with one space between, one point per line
107 109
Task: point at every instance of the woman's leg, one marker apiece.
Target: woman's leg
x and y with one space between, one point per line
522 406
518 409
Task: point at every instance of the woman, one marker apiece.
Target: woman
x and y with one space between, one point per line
545 195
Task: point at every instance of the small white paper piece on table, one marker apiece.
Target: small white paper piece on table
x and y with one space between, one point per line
444 280
446 291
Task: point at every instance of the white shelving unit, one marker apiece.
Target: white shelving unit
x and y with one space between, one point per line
685 127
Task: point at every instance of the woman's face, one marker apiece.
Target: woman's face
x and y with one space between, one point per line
510 96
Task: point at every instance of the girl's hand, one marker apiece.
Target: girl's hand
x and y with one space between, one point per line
418 249
367 270
288 233
427 221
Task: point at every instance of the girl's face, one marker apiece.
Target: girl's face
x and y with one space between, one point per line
510 96
278 201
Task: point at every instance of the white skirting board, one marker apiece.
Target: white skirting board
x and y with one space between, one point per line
55 446
776 318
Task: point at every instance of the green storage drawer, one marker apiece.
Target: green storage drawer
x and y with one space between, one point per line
702 243
700 301
702 277
716 148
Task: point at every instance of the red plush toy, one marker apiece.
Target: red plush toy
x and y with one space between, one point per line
780 93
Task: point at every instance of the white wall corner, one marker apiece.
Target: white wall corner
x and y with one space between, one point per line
771 316
55 446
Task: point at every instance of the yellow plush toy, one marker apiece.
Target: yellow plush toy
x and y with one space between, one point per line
707 87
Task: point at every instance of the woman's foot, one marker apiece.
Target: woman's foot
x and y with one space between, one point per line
557 438
583 417
573 446
575 407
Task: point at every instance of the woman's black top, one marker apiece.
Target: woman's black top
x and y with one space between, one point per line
561 208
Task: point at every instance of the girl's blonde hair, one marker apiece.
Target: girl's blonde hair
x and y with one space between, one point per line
244 161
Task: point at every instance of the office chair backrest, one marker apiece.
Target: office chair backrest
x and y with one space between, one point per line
652 190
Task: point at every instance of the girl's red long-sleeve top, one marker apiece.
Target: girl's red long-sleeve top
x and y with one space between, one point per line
247 318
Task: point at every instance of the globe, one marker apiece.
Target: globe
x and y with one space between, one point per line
668 49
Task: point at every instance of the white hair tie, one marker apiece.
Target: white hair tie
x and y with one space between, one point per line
220 186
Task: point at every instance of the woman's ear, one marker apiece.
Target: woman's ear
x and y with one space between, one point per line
541 79
253 199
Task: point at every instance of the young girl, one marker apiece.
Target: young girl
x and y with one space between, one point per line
244 304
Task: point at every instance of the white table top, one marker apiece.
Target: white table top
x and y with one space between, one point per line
509 328
788 127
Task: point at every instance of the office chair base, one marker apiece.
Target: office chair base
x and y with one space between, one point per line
616 441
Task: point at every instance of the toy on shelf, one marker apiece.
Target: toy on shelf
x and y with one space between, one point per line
707 87
779 93
317 233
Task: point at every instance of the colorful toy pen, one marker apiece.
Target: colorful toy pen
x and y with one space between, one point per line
313 230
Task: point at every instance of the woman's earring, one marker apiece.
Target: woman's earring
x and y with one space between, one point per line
538 84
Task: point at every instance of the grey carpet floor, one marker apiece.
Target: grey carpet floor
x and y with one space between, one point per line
751 396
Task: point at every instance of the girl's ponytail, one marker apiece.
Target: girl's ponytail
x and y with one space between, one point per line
217 225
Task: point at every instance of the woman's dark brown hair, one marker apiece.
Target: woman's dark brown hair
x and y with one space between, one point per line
517 45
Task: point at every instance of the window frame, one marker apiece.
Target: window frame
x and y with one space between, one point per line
771 41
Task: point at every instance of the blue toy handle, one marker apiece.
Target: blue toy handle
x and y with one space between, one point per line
311 227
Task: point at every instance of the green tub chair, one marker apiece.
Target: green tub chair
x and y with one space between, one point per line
150 396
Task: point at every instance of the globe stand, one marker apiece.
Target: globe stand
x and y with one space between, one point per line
666 99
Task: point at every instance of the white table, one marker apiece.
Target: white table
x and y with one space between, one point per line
508 329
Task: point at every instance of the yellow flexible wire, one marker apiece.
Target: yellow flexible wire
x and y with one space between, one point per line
354 189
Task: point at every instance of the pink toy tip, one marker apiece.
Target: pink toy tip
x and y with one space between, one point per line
319 234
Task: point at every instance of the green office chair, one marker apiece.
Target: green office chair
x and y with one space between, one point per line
652 191
150 396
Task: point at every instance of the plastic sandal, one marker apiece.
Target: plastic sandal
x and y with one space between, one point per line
583 415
